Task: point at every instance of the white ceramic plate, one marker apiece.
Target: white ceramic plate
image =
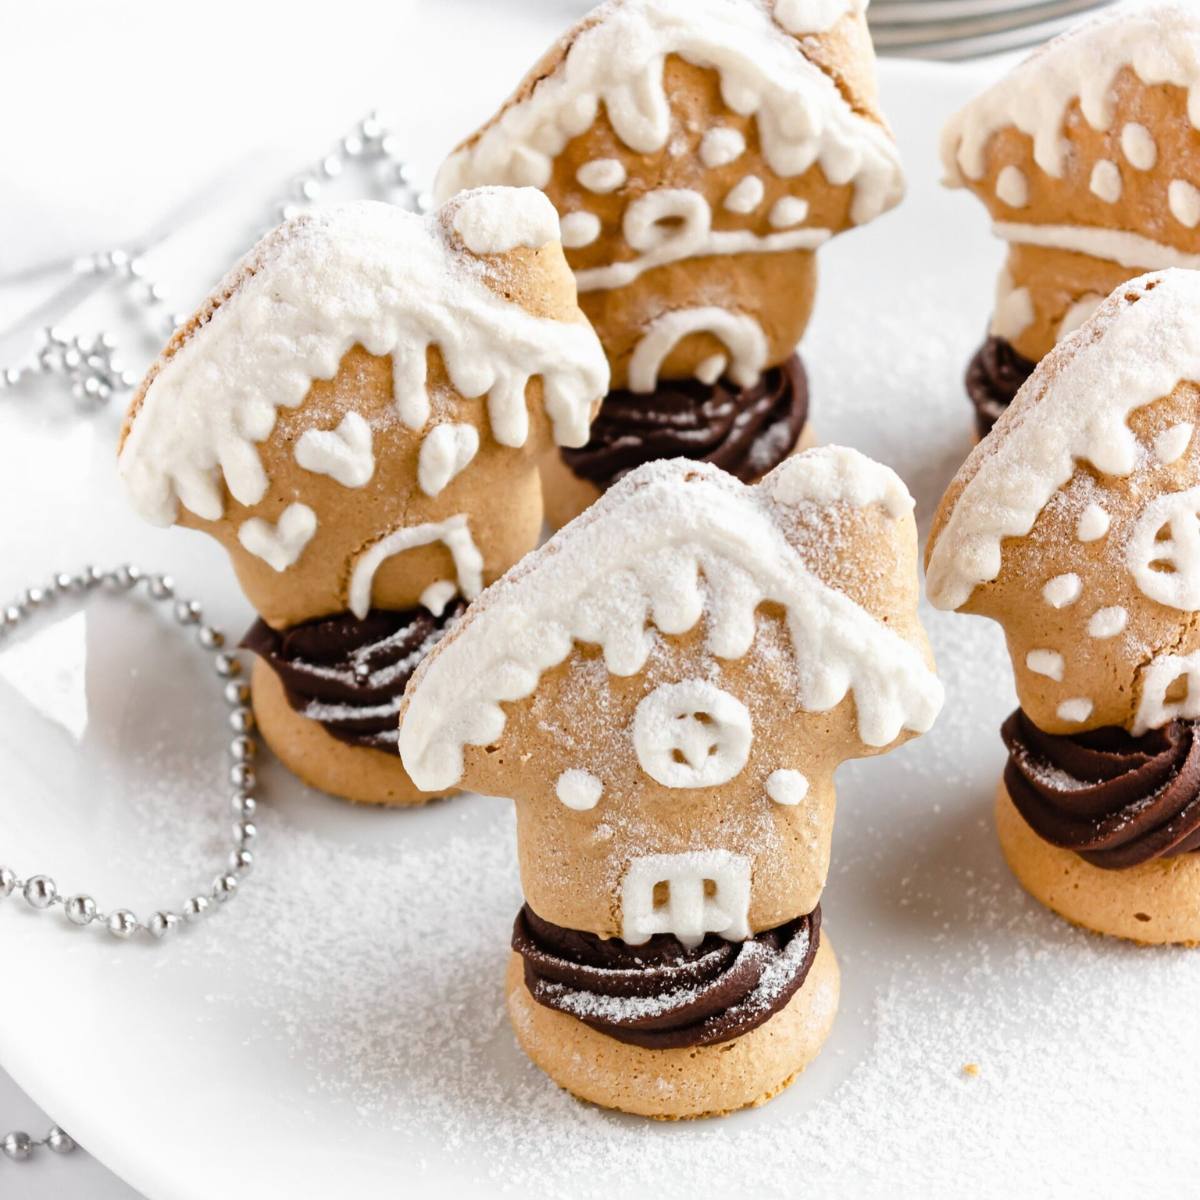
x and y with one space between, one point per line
338 1030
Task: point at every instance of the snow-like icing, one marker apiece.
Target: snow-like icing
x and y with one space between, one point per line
1159 42
617 60
1074 408
673 542
362 273
496 220
815 16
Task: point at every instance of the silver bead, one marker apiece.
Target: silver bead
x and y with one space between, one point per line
161 587
227 665
65 582
187 612
210 638
237 693
161 923
243 749
241 720
60 1141
80 910
241 861
33 597
13 615
243 805
40 892
195 909
90 576
242 776
8 878
122 924
17 1146
223 887
244 831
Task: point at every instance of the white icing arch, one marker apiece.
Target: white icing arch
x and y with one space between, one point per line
690 911
618 62
1076 408
742 335
659 551
364 273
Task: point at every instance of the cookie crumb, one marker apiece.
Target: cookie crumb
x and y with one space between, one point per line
971 1070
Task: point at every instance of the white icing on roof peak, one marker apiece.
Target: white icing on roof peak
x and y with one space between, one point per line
1074 408
368 274
1159 42
673 542
617 58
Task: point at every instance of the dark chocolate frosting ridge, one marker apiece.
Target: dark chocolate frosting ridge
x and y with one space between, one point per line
1115 799
745 431
994 376
662 994
350 674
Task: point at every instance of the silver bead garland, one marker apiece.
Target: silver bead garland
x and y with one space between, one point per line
18 1146
40 892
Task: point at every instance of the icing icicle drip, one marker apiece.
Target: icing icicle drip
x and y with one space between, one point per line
1140 344
671 543
369 274
617 60
1159 42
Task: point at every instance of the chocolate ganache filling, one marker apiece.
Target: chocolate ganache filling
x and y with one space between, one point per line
994 376
745 431
663 995
349 674
1115 799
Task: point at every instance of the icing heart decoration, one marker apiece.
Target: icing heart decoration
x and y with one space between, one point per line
279 545
343 453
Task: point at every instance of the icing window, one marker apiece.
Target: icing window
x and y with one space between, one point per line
692 735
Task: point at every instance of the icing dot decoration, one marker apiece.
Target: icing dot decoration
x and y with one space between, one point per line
787 787
721 146
746 195
1046 662
1012 187
1076 710
579 790
1170 444
1138 146
1106 181
787 211
1184 202
580 229
1062 590
1093 523
602 175
1107 622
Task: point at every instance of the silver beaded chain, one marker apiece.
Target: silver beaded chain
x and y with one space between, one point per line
91 365
40 892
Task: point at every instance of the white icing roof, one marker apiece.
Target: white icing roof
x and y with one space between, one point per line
618 59
656 550
1159 41
1074 408
364 273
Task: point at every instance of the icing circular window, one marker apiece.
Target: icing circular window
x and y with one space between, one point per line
692 735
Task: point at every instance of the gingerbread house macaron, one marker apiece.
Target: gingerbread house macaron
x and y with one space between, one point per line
1087 158
666 689
1075 524
698 153
342 415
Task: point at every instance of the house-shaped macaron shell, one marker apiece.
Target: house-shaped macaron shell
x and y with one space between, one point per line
1087 157
1076 523
667 686
698 152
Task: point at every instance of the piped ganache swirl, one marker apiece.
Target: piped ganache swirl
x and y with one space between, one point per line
350 674
994 376
663 995
1115 799
745 431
